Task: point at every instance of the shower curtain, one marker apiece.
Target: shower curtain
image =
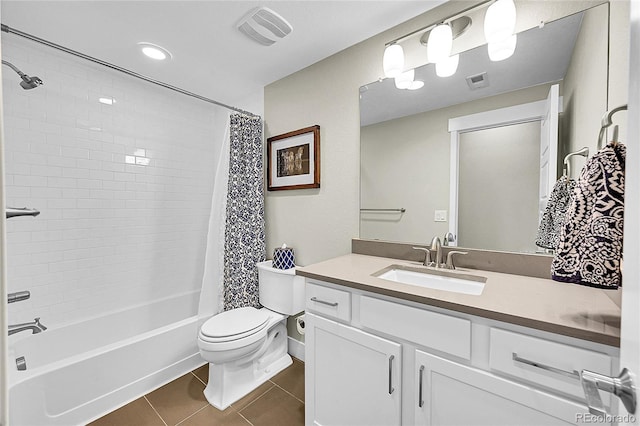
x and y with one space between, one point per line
244 230
211 295
236 236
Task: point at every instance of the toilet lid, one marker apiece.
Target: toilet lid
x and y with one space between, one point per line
235 322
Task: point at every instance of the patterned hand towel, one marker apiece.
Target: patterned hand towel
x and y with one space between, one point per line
554 214
590 246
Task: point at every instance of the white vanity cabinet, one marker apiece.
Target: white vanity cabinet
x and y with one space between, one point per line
450 393
356 376
377 360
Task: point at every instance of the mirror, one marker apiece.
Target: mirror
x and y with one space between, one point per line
406 139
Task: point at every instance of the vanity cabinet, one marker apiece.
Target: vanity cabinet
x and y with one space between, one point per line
356 375
449 393
377 360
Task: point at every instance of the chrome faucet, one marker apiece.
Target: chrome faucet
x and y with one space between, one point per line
436 246
34 326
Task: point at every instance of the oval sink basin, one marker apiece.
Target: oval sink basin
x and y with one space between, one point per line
436 280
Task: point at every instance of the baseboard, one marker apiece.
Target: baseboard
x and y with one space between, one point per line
296 348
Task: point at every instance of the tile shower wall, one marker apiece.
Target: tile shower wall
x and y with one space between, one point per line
124 190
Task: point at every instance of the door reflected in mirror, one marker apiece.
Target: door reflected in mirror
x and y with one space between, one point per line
498 188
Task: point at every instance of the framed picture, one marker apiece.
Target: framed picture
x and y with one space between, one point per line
293 160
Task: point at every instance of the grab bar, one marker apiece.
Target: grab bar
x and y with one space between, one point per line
24 211
400 210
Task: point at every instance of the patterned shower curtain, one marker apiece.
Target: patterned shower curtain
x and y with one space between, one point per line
244 232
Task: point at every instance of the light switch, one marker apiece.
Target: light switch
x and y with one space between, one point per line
440 216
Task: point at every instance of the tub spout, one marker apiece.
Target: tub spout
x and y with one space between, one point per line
34 326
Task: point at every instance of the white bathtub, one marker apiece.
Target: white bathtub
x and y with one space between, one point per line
82 371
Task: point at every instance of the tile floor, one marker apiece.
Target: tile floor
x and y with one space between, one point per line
277 402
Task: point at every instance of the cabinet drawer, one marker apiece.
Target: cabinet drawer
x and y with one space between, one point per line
430 329
545 363
328 301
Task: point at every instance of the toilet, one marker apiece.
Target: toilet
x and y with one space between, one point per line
245 347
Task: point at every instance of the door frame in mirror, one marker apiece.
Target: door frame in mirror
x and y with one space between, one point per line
523 113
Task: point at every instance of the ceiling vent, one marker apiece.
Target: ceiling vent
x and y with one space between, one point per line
264 26
478 81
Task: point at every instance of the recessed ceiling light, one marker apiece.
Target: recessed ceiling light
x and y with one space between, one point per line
154 51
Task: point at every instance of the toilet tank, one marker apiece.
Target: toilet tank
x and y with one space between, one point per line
280 290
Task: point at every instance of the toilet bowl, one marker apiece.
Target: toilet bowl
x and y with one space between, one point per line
246 346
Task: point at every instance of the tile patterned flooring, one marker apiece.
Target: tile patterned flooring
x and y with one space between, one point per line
277 402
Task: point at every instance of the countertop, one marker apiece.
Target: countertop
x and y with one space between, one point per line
563 308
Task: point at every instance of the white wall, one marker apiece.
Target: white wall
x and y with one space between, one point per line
110 234
405 163
619 62
584 88
320 223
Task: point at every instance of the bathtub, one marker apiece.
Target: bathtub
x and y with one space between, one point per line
79 372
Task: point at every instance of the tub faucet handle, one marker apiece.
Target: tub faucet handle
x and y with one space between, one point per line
18 296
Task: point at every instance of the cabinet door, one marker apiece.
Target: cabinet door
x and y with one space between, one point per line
352 377
454 394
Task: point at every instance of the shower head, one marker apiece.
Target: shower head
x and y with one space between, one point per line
27 82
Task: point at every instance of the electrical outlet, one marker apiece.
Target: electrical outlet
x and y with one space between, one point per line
440 216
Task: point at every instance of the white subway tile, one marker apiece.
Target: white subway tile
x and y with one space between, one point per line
67 163
60 182
75 152
109 233
42 170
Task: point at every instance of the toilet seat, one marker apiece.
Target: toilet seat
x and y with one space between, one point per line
246 323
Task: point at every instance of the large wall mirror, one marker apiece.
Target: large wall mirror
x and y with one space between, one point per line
406 138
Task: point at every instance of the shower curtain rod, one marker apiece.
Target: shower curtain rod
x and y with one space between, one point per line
9 30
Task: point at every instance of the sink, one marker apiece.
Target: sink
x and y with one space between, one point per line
434 279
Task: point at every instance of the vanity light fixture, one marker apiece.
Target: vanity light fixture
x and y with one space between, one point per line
500 21
499 29
415 85
501 50
154 51
438 38
393 60
439 43
448 67
405 80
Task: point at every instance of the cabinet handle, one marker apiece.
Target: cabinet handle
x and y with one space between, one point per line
420 400
573 374
314 299
391 389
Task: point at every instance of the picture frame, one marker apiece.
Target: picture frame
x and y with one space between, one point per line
293 160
